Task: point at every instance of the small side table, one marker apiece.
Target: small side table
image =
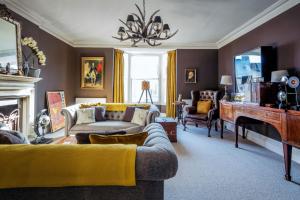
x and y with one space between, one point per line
170 126
180 105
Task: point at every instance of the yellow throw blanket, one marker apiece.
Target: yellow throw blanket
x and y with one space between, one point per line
67 165
114 106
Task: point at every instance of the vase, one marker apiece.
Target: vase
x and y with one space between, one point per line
33 72
26 68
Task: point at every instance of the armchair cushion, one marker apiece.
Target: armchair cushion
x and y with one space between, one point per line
198 116
204 106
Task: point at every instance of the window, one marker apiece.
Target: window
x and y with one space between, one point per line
148 67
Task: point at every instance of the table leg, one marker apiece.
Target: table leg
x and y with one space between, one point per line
287 151
222 127
236 136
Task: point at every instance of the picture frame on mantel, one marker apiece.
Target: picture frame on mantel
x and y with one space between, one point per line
190 75
92 73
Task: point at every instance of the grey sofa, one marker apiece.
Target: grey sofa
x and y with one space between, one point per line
113 123
156 161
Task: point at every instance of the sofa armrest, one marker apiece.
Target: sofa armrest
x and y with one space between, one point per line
70 117
156 159
153 113
191 109
213 114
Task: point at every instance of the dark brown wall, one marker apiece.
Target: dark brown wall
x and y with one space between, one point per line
206 63
283 32
108 54
60 60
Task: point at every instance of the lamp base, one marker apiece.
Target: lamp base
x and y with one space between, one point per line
226 97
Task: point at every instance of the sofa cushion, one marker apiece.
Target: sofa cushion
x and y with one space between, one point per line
137 138
106 126
198 116
139 116
83 138
129 114
100 113
85 116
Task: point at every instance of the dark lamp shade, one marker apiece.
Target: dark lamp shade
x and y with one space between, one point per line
130 20
157 20
121 31
166 28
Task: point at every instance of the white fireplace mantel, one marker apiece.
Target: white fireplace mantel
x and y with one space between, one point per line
23 88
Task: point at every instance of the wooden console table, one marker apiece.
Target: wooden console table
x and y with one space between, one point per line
287 123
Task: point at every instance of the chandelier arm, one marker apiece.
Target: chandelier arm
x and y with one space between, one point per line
153 45
121 39
129 28
140 11
135 42
132 32
168 37
139 19
150 20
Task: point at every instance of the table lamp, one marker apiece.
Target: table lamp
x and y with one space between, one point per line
226 80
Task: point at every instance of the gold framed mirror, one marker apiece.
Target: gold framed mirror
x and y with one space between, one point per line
10 40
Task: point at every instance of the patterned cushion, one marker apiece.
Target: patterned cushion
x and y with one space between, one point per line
85 116
114 115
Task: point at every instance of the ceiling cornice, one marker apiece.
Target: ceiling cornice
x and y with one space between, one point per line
46 25
268 14
203 45
35 18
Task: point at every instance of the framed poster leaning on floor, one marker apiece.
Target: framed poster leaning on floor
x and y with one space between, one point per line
56 102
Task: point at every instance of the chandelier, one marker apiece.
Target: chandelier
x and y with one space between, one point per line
137 29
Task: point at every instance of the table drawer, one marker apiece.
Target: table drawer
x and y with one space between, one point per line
226 112
273 116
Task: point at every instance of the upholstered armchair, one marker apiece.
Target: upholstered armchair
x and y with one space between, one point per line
211 117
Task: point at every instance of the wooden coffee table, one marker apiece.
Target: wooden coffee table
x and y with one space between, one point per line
170 126
65 140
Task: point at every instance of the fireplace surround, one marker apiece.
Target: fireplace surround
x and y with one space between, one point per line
22 89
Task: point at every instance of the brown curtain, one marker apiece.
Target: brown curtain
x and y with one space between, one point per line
119 77
171 84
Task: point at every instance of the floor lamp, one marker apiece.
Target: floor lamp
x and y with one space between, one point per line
146 89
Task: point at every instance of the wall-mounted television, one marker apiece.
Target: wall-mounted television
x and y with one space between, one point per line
255 64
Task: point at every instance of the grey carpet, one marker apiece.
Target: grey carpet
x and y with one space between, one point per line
211 168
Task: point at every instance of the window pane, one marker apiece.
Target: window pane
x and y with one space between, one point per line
137 91
144 67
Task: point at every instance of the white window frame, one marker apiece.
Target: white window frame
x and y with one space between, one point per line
160 78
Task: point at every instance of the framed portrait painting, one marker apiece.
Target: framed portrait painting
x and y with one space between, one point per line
190 76
56 102
92 73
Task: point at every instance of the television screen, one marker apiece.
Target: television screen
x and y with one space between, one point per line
247 67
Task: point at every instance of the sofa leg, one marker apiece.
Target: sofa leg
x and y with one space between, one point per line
196 125
184 125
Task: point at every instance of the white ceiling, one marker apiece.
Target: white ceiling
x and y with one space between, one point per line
93 22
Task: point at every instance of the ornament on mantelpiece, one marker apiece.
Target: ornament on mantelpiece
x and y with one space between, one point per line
34 53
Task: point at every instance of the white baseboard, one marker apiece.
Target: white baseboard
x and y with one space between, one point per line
266 142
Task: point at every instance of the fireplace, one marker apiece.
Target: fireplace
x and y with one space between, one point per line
17 96
10 114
